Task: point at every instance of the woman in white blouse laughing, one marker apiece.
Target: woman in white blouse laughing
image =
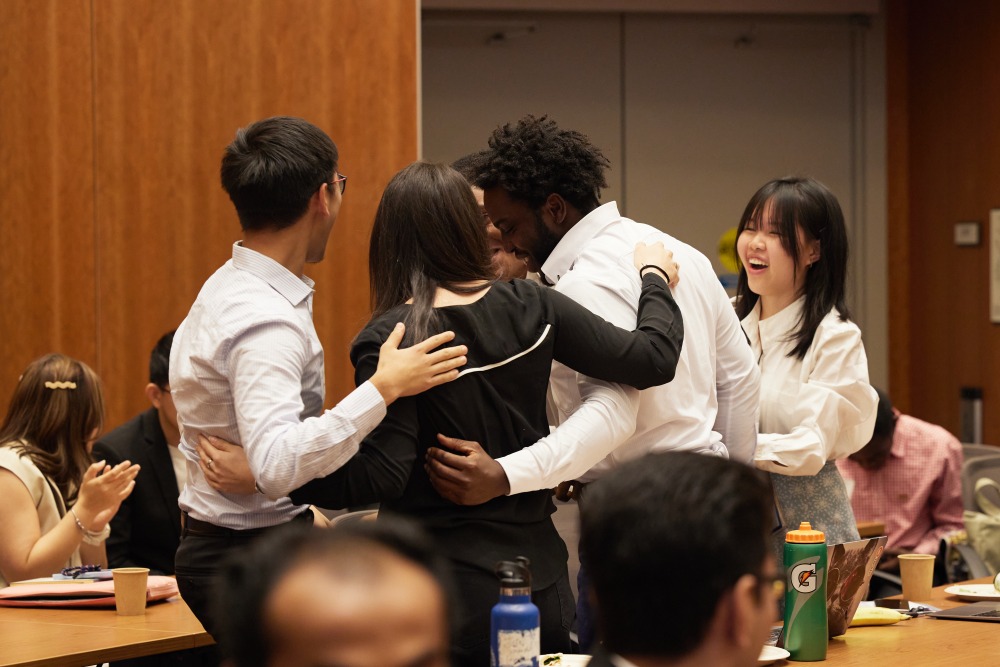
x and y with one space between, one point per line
816 404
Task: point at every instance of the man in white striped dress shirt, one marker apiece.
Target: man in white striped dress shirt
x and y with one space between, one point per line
247 365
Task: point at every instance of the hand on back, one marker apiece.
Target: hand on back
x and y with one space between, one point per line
225 466
464 473
411 370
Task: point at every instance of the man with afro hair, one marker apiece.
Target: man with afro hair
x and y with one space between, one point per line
542 189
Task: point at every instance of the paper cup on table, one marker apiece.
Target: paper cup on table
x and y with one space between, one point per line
917 573
130 590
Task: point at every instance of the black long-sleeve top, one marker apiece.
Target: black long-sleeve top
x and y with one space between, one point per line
513 333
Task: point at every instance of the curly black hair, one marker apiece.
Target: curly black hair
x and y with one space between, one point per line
534 158
469 165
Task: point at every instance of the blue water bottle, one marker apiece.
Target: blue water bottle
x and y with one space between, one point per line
515 638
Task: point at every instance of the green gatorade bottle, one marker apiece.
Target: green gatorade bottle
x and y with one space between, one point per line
805 594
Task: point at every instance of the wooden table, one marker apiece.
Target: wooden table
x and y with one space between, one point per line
920 641
75 637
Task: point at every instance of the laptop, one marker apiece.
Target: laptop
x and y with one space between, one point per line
849 570
977 611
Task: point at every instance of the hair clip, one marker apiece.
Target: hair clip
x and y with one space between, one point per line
61 385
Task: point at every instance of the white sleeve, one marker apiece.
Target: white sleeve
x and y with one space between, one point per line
604 420
737 386
606 416
833 407
285 451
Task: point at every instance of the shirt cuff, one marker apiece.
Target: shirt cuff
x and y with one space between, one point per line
779 458
522 472
365 406
765 459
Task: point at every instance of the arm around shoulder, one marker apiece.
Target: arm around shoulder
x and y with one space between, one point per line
641 358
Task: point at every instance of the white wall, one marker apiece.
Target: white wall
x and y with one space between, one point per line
549 64
694 112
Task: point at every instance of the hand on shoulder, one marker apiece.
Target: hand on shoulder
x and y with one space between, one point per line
655 257
411 370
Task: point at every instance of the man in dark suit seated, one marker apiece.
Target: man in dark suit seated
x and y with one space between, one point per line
680 564
147 528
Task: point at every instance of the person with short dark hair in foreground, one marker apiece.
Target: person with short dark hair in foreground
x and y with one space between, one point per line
679 562
367 594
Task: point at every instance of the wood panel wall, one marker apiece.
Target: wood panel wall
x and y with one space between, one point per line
115 216
944 167
47 263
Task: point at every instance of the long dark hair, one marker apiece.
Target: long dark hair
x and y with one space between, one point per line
56 407
428 233
807 204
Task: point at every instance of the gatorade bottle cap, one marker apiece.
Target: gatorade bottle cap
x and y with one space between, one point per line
805 534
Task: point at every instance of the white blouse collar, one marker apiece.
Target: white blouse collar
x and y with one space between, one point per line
775 328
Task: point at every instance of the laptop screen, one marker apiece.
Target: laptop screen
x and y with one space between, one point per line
849 569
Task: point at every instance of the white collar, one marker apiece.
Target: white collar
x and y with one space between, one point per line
776 327
294 288
571 245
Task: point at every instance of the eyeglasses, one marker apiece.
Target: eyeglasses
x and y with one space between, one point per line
340 179
773 582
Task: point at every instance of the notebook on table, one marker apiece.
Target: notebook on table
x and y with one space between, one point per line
74 594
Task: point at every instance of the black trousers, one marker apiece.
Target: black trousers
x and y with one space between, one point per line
202 551
479 590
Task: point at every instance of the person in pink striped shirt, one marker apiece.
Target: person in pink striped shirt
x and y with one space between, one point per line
908 476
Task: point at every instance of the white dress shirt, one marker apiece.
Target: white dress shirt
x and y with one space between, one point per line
247 366
815 409
710 406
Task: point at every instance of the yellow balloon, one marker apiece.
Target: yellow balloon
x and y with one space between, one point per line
727 251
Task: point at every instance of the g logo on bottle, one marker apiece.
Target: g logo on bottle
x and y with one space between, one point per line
804 578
